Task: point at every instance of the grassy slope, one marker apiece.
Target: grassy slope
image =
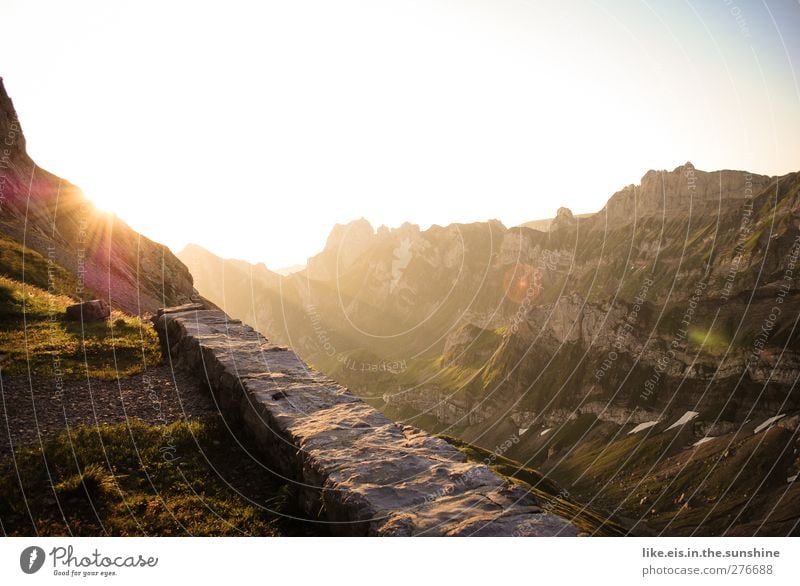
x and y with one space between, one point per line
553 498
710 489
25 265
140 479
35 335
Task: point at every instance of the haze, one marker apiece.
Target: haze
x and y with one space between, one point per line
252 130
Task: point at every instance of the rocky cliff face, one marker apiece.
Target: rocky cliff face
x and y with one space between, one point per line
683 191
13 140
52 216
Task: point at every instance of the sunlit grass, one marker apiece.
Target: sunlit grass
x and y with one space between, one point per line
36 336
709 340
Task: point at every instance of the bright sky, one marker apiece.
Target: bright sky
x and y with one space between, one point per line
252 130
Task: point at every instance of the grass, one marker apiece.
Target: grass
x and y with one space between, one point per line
662 481
37 337
602 459
553 498
24 264
139 479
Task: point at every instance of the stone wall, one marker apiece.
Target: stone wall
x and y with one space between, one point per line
355 469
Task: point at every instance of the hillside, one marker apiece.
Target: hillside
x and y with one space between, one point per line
51 216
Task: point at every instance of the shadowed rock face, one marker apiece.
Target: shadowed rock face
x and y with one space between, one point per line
366 474
52 216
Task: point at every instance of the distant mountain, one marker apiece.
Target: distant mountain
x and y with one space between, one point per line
252 292
285 271
51 216
544 225
658 306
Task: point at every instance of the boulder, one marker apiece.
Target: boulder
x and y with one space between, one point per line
94 310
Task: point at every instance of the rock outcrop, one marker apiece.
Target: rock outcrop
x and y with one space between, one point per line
95 310
564 219
361 472
52 216
684 190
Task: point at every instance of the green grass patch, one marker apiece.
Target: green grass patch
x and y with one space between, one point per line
753 239
553 498
140 479
37 337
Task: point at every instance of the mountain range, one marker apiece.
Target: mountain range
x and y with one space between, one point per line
644 357
649 341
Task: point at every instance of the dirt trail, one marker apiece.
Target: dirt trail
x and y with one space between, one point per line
34 409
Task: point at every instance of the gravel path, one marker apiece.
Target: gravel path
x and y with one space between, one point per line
34 409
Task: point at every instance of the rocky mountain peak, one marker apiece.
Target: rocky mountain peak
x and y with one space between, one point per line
349 241
13 140
345 244
356 231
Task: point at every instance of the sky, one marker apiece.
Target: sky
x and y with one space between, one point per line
251 130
